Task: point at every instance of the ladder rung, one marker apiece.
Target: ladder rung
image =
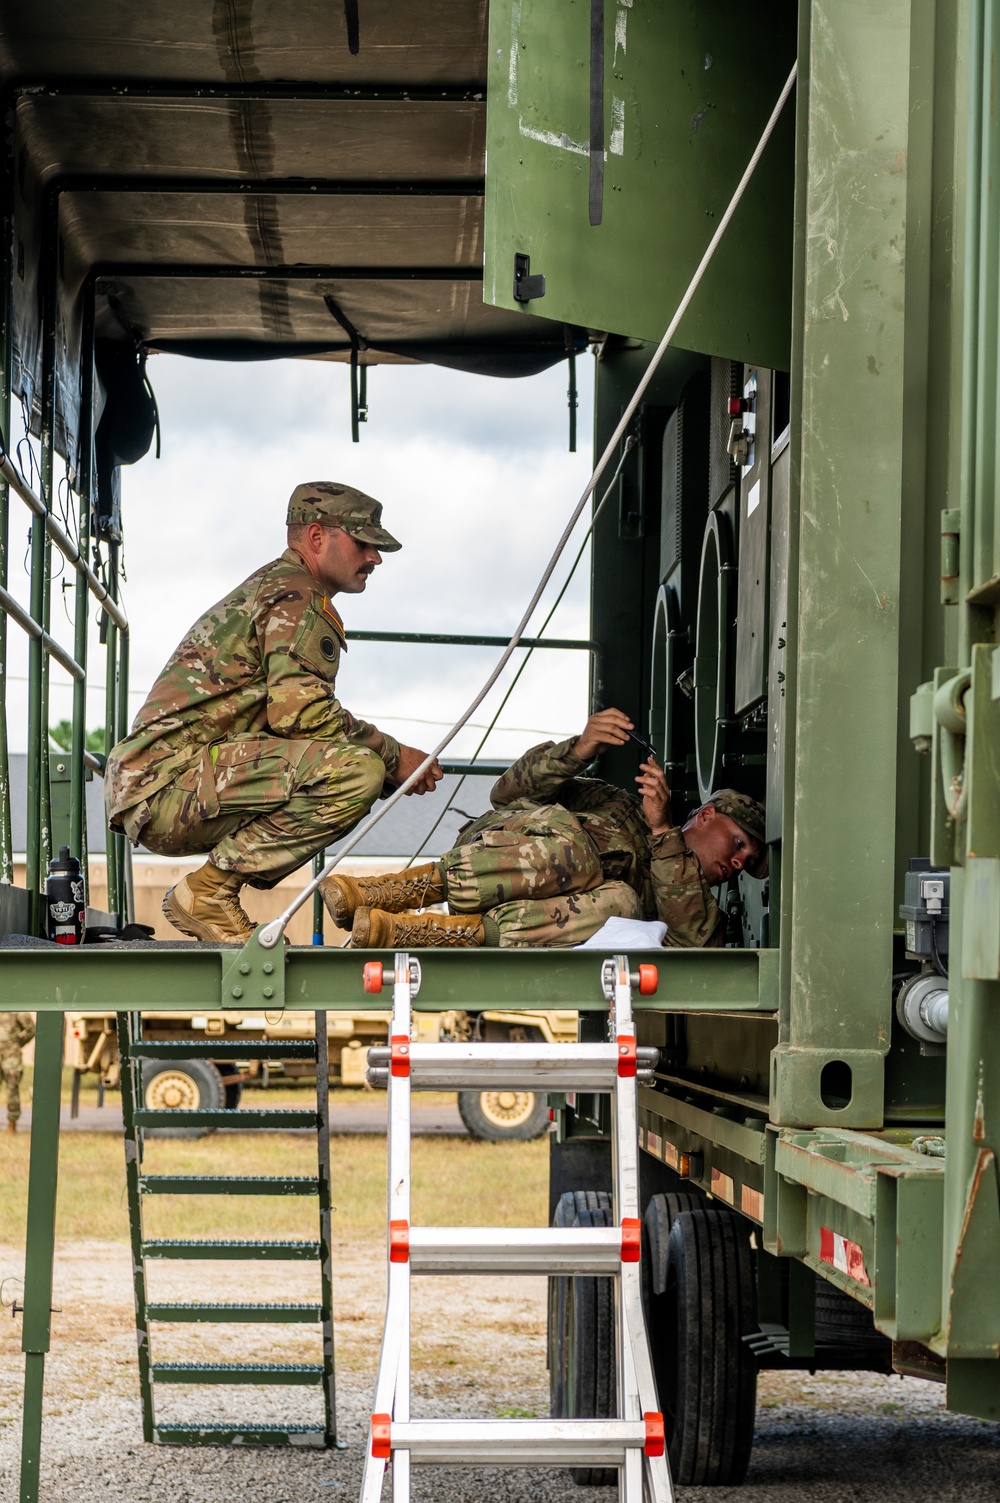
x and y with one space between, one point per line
212 1048
538 1067
238 1119
220 1250
545 1442
191 1434
544 1250
237 1372
227 1184
236 1314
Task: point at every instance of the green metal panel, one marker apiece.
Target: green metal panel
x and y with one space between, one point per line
838 889
98 978
688 88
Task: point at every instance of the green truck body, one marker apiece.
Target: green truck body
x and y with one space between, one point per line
795 579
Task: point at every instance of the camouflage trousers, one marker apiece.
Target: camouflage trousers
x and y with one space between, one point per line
538 880
11 1070
260 806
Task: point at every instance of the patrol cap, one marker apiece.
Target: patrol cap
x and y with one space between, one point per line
749 815
336 505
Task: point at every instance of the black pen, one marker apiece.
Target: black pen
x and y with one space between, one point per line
647 746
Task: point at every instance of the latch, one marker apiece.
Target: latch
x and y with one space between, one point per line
526 287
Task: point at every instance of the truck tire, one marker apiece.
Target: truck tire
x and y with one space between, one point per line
504 1116
707 1374
188 1085
582 1335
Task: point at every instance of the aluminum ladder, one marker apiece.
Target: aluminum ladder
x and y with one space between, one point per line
634 1440
133 1049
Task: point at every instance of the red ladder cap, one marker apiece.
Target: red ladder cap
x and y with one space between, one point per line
371 976
631 1239
399 1241
655 1439
382 1436
626 1054
649 980
400 1045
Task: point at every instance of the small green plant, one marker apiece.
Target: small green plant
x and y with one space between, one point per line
62 736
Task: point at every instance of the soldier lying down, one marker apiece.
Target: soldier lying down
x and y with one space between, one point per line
562 853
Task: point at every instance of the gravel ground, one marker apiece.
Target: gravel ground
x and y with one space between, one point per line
825 1438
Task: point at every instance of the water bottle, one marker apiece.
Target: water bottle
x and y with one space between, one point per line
64 900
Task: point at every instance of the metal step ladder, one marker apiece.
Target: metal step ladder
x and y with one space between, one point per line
634 1440
133 1050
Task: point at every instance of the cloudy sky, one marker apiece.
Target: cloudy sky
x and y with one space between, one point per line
477 484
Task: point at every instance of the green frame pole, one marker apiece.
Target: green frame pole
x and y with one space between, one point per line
6 381
43 1173
81 613
38 801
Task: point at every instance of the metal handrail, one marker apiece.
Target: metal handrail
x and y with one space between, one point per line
444 639
63 542
28 624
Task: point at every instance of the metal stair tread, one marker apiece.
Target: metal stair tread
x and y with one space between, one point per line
231 1184
241 1312
241 1372
221 1116
223 1049
190 1247
190 1432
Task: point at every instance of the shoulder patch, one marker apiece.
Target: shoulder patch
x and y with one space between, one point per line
329 610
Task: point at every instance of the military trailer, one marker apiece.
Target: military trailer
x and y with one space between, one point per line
202 1081
794 586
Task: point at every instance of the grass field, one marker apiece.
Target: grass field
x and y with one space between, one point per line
455 1180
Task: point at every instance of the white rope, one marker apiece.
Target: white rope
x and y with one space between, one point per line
271 933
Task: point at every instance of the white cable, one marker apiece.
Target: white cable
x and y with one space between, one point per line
271 933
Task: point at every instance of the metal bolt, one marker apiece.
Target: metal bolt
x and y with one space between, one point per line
268 967
269 991
237 992
244 968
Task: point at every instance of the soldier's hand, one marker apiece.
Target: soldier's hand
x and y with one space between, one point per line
409 760
604 728
655 791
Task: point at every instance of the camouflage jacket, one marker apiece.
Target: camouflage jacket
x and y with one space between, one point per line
16 1028
666 875
263 662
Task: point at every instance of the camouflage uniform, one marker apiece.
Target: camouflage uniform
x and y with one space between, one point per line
562 853
16 1030
242 748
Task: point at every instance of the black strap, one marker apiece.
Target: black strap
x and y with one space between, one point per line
351 17
596 111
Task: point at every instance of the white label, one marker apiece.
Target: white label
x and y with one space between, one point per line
753 499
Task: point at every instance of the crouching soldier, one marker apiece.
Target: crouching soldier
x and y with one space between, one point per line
559 855
242 750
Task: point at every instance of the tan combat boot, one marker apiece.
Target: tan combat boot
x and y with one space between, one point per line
395 892
375 930
206 905
12 1124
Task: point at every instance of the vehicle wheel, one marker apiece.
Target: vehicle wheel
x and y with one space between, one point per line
504 1116
187 1086
582 1334
707 1373
234 1094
